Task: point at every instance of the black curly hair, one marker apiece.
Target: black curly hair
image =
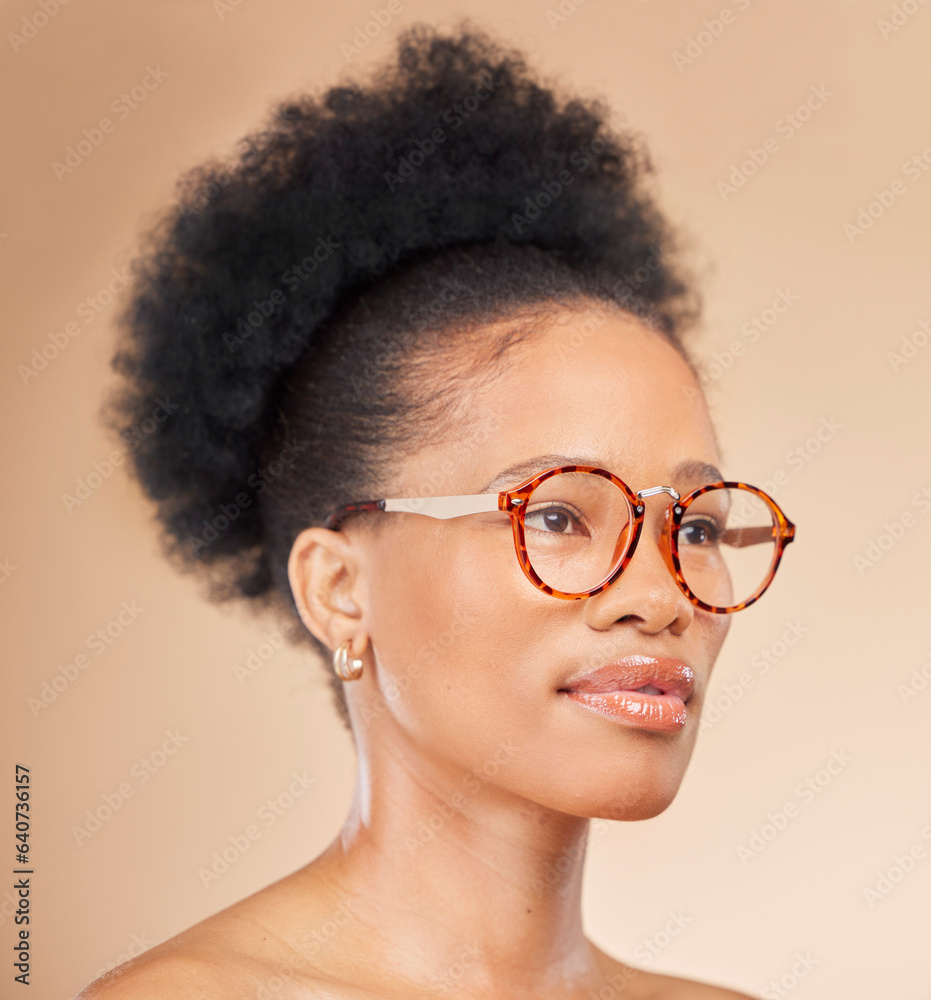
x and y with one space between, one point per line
300 316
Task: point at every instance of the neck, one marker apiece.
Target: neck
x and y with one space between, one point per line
458 882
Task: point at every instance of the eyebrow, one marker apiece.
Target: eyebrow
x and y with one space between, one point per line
691 470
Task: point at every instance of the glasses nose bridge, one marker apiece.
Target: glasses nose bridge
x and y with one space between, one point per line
665 536
665 533
656 490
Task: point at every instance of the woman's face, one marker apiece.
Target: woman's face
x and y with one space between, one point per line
471 661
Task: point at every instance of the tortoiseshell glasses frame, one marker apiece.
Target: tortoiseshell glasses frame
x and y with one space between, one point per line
514 503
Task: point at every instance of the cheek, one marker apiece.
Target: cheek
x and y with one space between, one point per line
454 625
710 631
716 629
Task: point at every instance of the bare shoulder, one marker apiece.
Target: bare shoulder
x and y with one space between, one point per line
238 952
183 974
207 973
634 983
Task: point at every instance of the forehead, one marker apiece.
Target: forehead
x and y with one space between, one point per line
591 383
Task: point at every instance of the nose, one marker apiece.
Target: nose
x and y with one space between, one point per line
647 593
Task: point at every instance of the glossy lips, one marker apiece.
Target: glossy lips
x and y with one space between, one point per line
616 691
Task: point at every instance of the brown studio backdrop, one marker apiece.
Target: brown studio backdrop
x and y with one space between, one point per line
671 892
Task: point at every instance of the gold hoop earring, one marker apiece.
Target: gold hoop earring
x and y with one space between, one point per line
346 669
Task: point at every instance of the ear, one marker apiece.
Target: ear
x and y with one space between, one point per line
323 569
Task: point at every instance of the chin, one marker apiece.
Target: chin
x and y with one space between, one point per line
630 796
643 807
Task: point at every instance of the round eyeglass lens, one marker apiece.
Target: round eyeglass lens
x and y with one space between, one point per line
577 528
727 545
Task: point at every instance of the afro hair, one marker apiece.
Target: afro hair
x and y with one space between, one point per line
279 305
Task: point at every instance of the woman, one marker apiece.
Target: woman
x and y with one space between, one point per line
423 341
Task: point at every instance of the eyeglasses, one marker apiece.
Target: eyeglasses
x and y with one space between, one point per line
576 528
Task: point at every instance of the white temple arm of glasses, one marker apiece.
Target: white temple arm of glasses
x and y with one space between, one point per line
444 507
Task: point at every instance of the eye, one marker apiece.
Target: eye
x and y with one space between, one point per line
700 531
560 519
